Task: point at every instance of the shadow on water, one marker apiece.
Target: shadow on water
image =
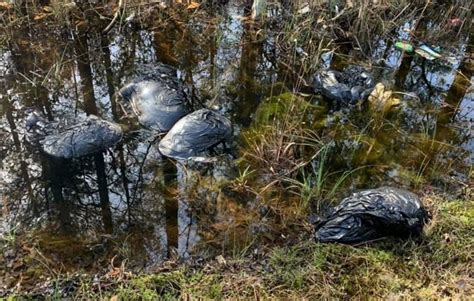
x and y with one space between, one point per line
131 199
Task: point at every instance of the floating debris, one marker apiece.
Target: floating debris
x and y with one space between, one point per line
382 100
424 50
405 46
427 53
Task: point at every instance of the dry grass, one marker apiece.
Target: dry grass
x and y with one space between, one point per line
282 141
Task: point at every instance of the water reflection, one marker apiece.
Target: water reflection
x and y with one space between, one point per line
187 223
131 190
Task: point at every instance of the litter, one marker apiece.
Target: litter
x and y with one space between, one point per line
424 50
373 214
405 46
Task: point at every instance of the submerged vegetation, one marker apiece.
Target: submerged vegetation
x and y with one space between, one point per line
128 224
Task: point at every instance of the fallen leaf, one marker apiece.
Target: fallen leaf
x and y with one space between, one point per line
70 5
81 25
304 10
381 100
47 9
114 298
40 17
6 5
193 5
221 260
447 237
242 18
18 265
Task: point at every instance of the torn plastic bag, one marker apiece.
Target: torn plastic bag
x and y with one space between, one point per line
354 83
372 214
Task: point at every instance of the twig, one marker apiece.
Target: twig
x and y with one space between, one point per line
114 20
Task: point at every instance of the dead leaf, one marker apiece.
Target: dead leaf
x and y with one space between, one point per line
114 298
381 100
47 9
193 5
447 238
81 25
304 10
6 5
70 5
115 273
41 17
242 18
221 260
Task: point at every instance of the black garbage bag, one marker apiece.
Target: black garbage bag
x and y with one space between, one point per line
195 133
157 97
72 137
372 214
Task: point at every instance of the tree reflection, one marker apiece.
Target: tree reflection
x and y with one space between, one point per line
131 191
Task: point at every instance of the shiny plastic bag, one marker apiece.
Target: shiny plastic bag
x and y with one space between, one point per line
354 83
372 214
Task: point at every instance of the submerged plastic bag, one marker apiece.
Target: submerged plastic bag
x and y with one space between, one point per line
354 83
372 214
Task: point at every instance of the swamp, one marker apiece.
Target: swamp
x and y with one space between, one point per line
188 150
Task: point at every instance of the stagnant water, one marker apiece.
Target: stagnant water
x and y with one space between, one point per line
149 208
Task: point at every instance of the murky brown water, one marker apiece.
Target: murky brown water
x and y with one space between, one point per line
148 208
